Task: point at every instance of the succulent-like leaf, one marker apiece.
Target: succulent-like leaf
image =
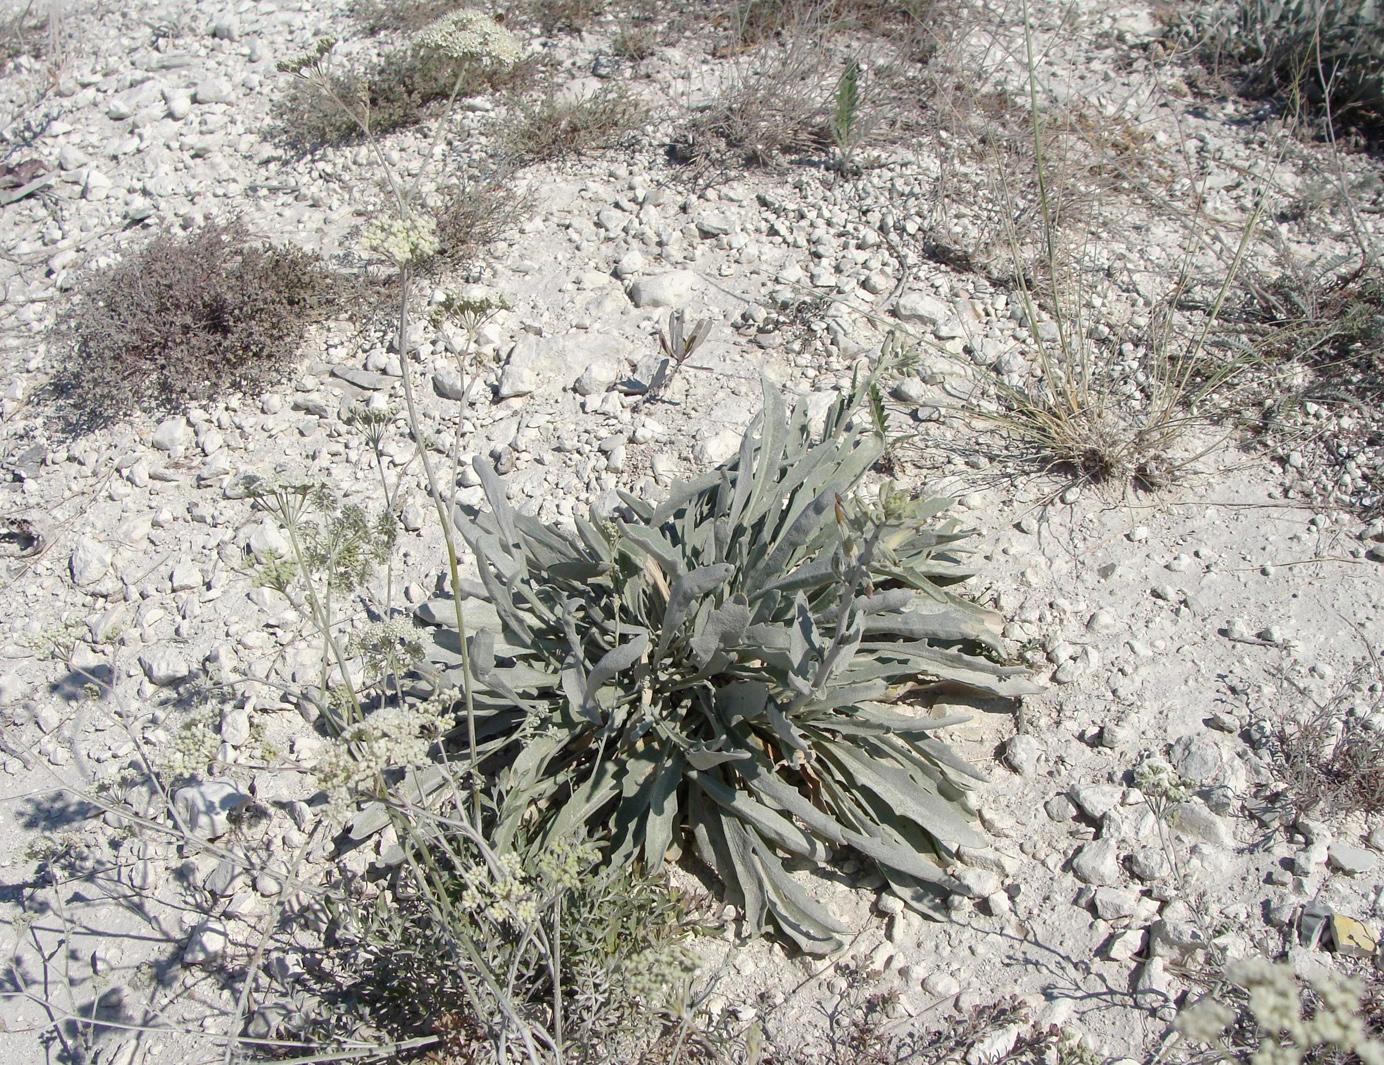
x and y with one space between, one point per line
734 668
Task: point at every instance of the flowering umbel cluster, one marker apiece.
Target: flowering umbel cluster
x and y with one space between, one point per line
467 34
515 894
391 738
1159 782
1286 1032
403 240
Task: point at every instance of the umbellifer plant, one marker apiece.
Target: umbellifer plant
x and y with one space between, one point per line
745 666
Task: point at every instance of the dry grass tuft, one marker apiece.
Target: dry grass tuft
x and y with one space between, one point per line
1321 57
400 16
562 16
184 319
548 127
754 22
24 33
1329 756
782 99
402 88
775 108
472 213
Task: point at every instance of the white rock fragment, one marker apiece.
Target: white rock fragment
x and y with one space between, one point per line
719 447
672 289
206 944
164 666
90 561
206 808
1349 859
1021 754
172 435
1097 863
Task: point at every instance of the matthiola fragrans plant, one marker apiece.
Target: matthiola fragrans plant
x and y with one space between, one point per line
743 669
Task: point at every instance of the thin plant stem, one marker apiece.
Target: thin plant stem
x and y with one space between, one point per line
444 521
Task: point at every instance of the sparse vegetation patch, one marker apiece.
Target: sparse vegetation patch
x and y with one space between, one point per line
742 671
1324 55
549 126
185 318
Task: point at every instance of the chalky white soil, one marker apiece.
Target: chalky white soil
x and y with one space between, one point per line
1184 623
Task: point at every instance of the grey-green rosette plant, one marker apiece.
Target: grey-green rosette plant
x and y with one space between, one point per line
742 666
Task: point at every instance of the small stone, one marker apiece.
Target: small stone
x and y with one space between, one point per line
889 904
212 91
999 903
1021 754
1351 938
70 157
1194 819
1148 864
976 883
222 880
172 435
1177 934
96 186
1114 904
923 309
1096 800
631 263
672 289
448 384
718 448
994 1046
1196 758
1060 808
185 577
943 985
164 666
596 379
178 104
90 561
235 725
518 380
1238 630
1312 924
366 380
206 944
1097 863
1349 859
1152 988
1103 621
206 808
1126 945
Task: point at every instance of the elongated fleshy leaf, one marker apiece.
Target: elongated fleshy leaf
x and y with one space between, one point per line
735 666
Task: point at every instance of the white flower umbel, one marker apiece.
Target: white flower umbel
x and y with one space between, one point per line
404 240
466 35
391 738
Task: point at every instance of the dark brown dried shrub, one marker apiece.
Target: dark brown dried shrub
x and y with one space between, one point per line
186 318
